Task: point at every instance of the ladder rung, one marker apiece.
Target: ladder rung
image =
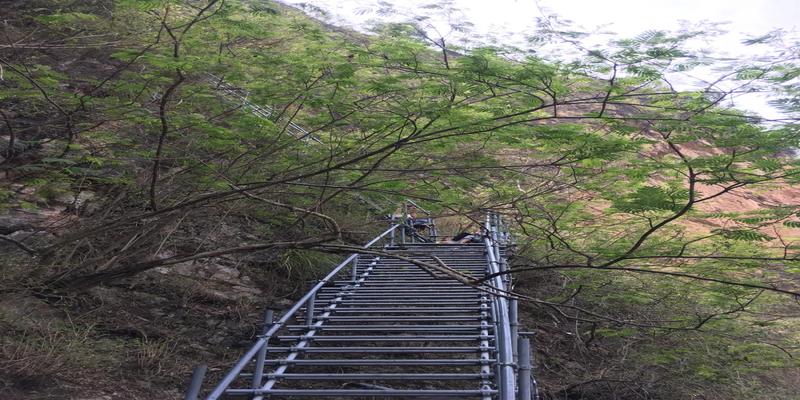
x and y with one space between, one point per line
391 328
396 318
403 295
380 349
385 362
387 338
402 302
399 377
456 394
404 310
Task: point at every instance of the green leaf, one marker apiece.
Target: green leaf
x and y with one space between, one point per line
746 235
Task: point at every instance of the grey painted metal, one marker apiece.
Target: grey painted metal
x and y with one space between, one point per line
386 376
505 357
292 357
262 341
269 316
486 370
432 234
455 394
310 310
196 383
382 350
377 361
524 378
389 339
261 111
514 317
367 312
393 234
354 273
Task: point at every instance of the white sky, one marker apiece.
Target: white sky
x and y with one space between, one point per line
626 18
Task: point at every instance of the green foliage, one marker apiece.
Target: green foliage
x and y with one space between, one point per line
583 165
649 198
744 235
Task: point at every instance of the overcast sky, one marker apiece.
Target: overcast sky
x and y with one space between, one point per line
508 18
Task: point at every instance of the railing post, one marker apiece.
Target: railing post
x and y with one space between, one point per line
258 374
310 310
524 386
196 383
355 268
505 357
391 235
514 317
245 360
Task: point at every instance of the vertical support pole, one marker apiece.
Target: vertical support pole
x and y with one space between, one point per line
391 235
196 383
498 342
501 226
258 374
525 391
514 317
310 310
355 269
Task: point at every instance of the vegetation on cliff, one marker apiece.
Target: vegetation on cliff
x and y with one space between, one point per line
123 162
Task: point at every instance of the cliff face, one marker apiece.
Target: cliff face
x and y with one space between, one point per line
148 220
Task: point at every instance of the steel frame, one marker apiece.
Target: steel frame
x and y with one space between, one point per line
383 321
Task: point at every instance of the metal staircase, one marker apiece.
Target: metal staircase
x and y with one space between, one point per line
396 321
241 96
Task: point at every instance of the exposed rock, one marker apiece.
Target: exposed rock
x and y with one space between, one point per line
18 220
215 278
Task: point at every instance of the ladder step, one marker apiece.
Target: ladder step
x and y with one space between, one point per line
389 295
433 318
398 377
384 362
404 302
396 292
387 338
391 328
404 310
380 349
454 394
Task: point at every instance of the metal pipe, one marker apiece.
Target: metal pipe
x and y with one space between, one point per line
485 368
525 366
312 331
355 269
392 235
196 383
258 374
245 359
514 317
310 311
505 358
418 206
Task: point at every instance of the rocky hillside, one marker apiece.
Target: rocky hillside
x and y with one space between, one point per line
147 217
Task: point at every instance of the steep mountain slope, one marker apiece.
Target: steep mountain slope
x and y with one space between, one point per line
148 220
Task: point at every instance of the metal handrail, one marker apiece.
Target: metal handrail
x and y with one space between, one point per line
505 354
262 111
432 234
512 362
220 389
412 202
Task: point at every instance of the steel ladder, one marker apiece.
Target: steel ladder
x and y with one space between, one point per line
381 327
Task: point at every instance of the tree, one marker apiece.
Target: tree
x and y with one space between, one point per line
604 168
